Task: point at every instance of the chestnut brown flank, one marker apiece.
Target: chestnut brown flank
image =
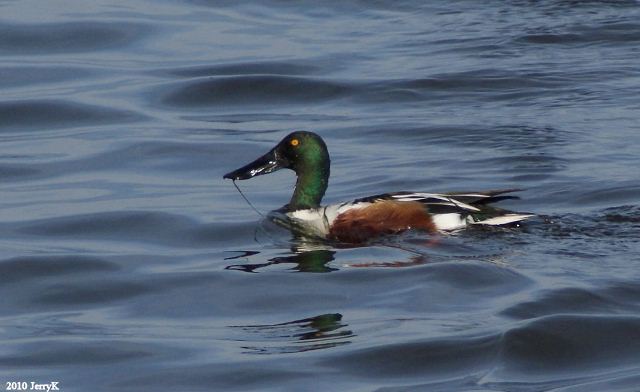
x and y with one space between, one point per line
383 217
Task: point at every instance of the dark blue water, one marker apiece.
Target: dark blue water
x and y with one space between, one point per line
128 264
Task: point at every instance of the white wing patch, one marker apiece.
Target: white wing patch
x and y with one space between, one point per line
448 222
503 219
446 200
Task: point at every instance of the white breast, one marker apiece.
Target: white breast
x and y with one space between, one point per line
319 220
312 220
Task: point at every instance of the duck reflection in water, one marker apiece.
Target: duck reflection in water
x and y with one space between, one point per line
313 333
311 261
318 260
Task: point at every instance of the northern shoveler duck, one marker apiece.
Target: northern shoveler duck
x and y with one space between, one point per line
361 219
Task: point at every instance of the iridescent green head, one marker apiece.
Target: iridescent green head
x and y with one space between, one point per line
303 152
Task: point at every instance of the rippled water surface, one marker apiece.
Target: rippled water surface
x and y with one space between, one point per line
128 264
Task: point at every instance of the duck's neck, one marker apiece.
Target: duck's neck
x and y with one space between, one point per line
310 187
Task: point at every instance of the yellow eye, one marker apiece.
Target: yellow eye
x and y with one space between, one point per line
295 142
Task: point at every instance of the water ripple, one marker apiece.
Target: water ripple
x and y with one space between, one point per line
550 346
612 33
441 358
284 68
78 353
618 298
133 226
255 89
20 77
69 37
27 115
21 269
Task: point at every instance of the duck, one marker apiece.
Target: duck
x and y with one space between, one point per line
366 218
